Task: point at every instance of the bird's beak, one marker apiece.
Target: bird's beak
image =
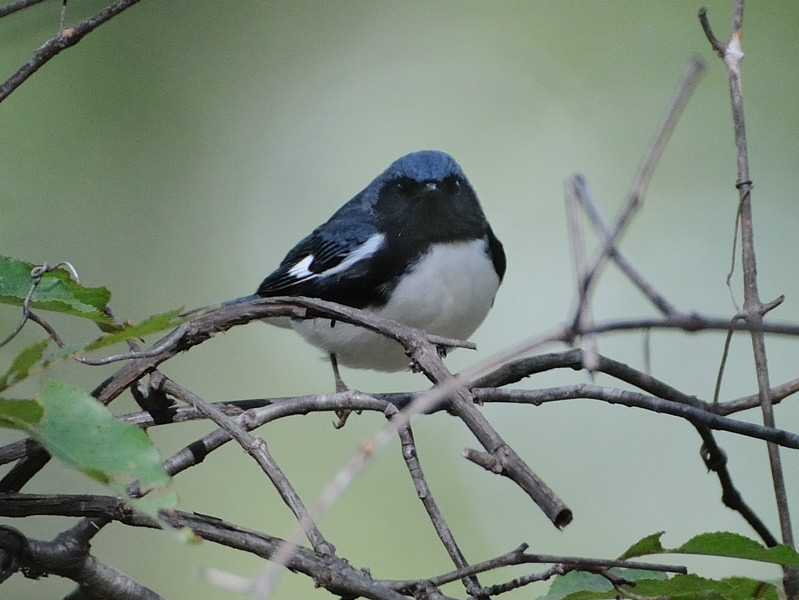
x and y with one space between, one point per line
430 188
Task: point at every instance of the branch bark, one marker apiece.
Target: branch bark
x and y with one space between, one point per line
754 308
66 38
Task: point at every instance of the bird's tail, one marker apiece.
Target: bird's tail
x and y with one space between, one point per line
194 311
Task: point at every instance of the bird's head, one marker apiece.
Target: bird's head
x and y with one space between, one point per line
424 196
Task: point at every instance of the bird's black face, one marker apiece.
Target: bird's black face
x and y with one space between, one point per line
422 212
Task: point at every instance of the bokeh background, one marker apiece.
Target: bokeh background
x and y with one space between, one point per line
177 153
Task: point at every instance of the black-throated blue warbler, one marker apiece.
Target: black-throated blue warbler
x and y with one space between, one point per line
413 246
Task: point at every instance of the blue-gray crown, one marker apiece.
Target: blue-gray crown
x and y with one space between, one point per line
423 166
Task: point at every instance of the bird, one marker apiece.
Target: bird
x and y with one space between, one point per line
413 246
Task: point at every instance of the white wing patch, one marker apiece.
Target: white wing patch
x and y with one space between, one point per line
300 270
368 248
362 252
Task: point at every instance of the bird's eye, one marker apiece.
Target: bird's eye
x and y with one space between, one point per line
452 186
401 188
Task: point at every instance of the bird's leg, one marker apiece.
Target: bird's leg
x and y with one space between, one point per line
342 414
442 353
340 385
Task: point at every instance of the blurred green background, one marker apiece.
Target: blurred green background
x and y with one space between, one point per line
177 153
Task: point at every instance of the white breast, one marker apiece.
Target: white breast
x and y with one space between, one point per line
449 292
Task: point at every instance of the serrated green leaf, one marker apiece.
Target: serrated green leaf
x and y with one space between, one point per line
753 588
679 587
693 587
581 585
153 324
19 414
721 543
577 582
593 594
83 434
56 291
648 545
21 365
734 545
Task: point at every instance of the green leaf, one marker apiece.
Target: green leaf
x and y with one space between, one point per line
733 545
721 543
56 291
693 587
84 435
22 364
581 585
590 586
153 324
574 586
648 545
20 414
578 582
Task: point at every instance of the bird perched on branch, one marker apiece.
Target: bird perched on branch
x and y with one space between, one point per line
414 246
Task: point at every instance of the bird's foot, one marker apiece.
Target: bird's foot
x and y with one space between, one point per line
442 353
342 414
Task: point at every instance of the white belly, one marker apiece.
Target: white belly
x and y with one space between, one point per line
448 293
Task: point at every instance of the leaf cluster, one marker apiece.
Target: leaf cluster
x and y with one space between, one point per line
64 419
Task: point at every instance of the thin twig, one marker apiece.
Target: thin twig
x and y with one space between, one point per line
254 417
255 447
584 319
329 571
715 460
725 353
66 38
636 194
36 275
588 204
410 454
753 309
777 394
68 556
215 530
429 360
715 43
634 399
13 7
519 556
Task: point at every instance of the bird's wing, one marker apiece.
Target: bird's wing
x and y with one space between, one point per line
337 251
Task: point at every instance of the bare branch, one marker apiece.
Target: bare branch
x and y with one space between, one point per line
66 38
627 398
410 454
636 194
255 447
777 394
584 318
68 556
328 571
753 309
13 7
303 560
582 195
